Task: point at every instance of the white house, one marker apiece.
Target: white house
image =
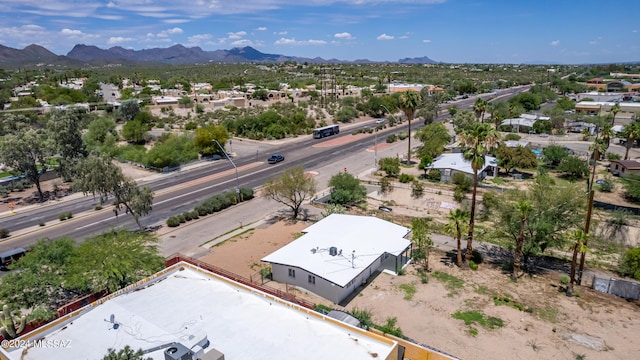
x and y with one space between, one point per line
339 253
449 164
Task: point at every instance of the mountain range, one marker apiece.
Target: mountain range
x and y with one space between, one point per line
85 55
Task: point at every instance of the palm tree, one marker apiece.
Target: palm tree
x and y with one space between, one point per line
607 133
523 208
409 101
456 227
480 107
477 140
614 110
579 239
631 133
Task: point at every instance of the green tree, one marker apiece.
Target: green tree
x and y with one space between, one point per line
25 151
523 209
631 134
409 101
346 189
457 225
135 131
292 188
615 109
579 239
425 163
125 354
205 136
480 107
65 129
390 165
477 141
630 263
434 137
554 154
98 175
574 167
37 284
114 260
555 209
129 109
515 158
631 184
463 120
101 135
422 241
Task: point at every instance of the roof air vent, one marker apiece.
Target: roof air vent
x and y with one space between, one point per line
333 251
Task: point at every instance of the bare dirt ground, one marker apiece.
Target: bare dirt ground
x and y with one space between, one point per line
552 325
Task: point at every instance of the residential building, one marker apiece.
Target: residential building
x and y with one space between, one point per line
450 164
339 253
623 168
186 312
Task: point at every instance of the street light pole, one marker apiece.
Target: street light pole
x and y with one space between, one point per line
389 111
234 166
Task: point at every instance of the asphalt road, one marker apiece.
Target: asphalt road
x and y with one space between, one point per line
181 191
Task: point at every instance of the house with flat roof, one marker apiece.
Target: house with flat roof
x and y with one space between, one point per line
449 164
186 312
339 253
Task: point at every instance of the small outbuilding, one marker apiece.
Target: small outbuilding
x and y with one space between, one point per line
623 168
449 164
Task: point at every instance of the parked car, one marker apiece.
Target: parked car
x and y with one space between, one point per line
380 121
275 158
385 208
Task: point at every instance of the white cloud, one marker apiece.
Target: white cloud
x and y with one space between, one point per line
426 41
200 39
118 39
262 28
242 43
634 31
292 41
237 35
343 35
166 33
281 33
77 35
385 37
175 21
555 43
404 37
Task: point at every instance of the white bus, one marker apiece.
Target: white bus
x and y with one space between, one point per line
325 131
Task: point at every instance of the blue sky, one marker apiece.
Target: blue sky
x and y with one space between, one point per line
454 31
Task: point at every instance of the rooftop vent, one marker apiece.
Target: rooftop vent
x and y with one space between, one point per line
333 251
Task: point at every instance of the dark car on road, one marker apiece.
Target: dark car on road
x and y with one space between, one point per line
275 158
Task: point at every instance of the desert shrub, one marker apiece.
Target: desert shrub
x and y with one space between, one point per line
391 138
417 189
462 182
202 210
613 156
630 263
194 214
512 136
4 192
173 221
403 135
364 316
433 175
187 215
458 195
246 194
406 178
181 218
191 125
473 265
606 185
4 233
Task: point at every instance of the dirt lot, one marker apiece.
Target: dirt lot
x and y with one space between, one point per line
550 326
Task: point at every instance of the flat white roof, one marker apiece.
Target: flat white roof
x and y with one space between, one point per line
359 241
187 305
456 161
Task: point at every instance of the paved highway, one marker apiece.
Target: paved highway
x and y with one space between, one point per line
181 191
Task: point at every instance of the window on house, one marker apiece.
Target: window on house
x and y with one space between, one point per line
312 279
292 273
